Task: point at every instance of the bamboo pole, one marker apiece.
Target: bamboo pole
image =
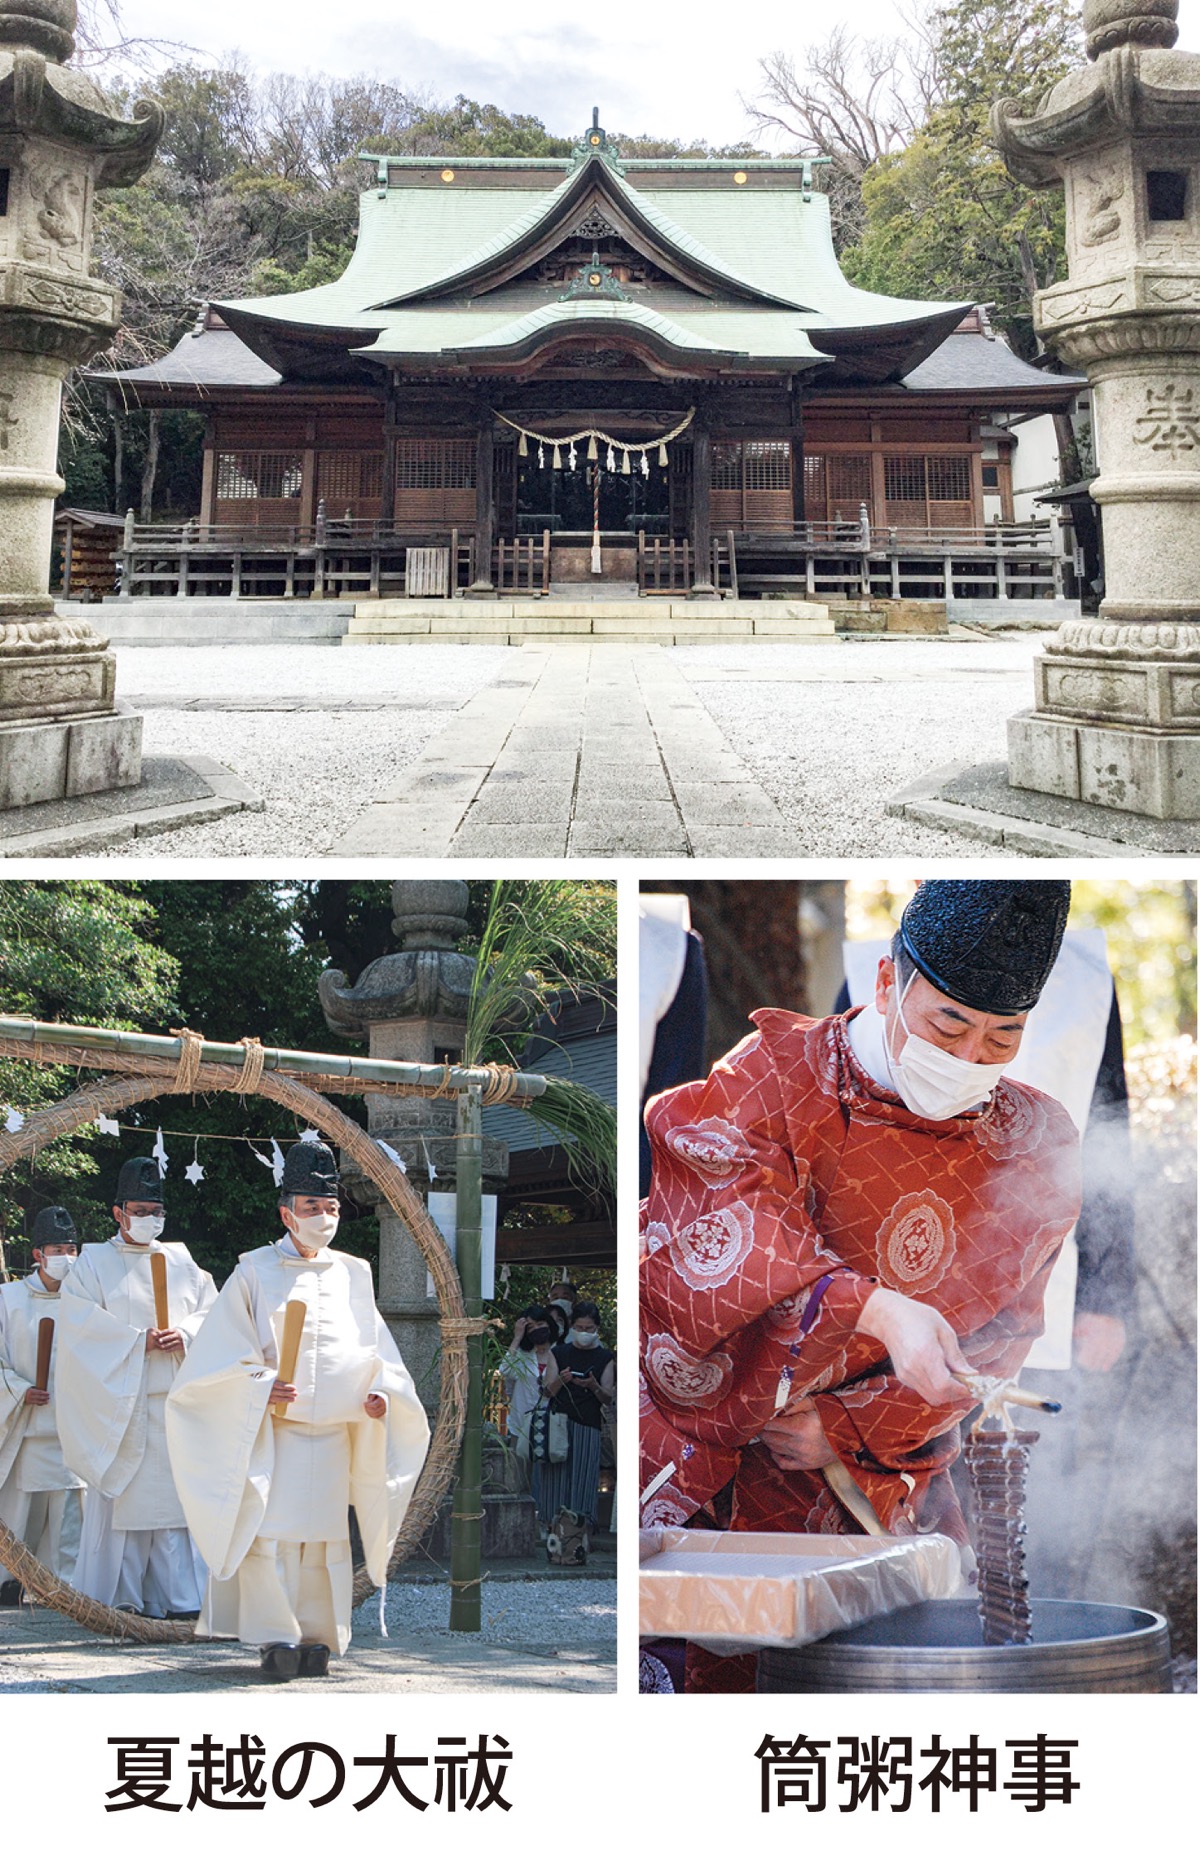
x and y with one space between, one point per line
466 1522
301 1065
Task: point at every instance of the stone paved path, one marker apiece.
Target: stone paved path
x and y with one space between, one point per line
577 751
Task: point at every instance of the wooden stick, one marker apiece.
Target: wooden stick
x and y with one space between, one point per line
850 1494
293 1329
45 1345
158 1277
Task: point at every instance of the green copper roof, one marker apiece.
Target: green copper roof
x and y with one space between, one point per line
756 265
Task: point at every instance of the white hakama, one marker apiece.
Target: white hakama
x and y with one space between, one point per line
41 1500
267 1498
111 1394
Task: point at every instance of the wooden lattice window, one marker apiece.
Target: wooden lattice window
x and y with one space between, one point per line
928 491
835 487
904 478
727 465
259 475
435 463
752 483
767 465
349 476
949 478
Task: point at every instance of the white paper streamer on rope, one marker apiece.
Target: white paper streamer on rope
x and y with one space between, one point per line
108 1126
159 1153
13 1120
430 1165
274 1162
194 1172
505 1275
393 1156
311 1136
594 435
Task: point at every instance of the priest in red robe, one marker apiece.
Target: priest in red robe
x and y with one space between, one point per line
843 1215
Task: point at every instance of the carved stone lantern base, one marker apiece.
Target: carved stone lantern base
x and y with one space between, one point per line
1117 721
63 734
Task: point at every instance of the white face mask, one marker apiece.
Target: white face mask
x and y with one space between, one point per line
58 1265
314 1230
933 1083
585 1339
143 1229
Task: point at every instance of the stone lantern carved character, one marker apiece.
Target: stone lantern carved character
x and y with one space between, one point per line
1115 721
61 734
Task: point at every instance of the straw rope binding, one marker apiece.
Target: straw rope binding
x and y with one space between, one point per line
148 1077
190 1044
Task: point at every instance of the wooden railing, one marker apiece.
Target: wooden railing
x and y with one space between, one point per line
523 564
855 560
664 565
327 559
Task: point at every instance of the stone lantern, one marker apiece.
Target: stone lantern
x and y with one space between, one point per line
61 733
1117 718
412 1006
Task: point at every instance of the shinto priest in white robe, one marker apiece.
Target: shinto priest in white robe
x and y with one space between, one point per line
267 1497
111 1395
40 1497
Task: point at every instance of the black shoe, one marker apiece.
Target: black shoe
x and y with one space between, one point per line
190 1613
10 1594
280 1663
314 1661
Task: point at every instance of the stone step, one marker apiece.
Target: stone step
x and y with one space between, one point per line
669 621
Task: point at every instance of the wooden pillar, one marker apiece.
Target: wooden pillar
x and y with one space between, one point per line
702 585
798 512
387 492
485 515
208 488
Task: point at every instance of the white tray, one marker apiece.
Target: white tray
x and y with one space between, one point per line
737 1591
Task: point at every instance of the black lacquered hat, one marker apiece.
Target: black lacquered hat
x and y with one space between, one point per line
309 1169
988 944
51 1227
139 1181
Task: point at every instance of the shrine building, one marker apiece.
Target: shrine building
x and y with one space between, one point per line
538 373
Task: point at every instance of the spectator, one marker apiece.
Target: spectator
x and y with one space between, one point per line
528 1368
584 1387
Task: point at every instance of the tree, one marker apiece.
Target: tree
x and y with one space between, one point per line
853 102
76 951
942 217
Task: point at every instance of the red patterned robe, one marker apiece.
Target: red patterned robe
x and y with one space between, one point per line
786 1187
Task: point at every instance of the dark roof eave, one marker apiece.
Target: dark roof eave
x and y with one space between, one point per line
276 341
910 341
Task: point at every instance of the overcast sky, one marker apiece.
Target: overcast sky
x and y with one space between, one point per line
656 66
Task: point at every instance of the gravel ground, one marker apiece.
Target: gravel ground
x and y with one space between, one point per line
540 1616
831 733
361 716
835 732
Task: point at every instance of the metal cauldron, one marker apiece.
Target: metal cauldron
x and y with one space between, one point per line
1077 1645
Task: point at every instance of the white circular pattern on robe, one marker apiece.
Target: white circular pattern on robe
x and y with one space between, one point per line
710 1251
665 1511
657 1235
654 1680
917 1242
1014 1123
714 1148
826 1517
786 1316
689 1381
